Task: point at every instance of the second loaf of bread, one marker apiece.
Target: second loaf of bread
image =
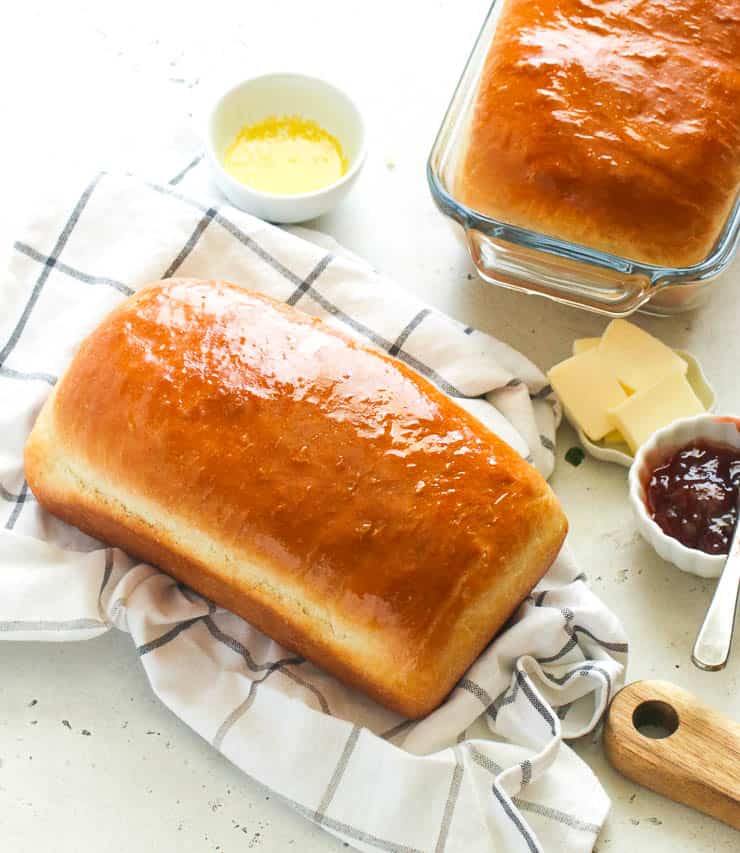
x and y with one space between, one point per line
614 125
321 490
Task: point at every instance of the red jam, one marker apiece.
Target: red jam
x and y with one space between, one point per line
693 496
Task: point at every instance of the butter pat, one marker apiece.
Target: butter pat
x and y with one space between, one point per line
640 415
613 437
637 359
583 344
588 390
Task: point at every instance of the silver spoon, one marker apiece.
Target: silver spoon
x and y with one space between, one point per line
712 646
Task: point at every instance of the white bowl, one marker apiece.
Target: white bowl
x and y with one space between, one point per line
658 448
282 94
621 454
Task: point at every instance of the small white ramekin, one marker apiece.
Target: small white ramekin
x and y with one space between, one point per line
281 94
657 449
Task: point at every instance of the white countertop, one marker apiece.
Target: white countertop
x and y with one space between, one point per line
94 84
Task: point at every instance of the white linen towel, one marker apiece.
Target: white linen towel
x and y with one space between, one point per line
487 771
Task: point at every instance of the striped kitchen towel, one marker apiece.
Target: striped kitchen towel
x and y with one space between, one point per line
488 770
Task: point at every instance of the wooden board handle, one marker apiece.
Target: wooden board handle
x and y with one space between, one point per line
697 764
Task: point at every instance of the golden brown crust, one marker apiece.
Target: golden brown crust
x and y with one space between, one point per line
614 125
319 489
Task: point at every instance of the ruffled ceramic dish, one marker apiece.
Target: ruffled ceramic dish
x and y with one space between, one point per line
620 453
659 447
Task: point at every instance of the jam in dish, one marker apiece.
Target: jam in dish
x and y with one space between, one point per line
693 496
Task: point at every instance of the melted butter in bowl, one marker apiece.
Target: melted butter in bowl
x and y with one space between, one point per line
285 147
285 155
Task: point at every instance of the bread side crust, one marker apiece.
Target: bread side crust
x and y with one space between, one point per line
423 676
68 489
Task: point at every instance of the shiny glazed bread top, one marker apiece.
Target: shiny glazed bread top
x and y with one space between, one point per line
322 490
613 124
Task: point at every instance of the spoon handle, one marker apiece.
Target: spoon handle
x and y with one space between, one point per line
712 646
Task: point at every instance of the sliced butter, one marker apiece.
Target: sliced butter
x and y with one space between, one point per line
583 344
637 359
613 437
646 411
588 390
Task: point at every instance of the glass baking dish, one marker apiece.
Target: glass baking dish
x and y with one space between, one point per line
530 262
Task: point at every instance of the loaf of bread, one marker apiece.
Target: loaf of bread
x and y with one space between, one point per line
614 125
318 488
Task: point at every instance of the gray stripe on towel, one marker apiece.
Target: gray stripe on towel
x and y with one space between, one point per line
47 268
84 277
336 776
452 798
9 373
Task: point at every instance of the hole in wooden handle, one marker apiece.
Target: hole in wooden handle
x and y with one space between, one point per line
655 719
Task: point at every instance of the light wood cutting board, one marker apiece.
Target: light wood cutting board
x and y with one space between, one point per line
698 761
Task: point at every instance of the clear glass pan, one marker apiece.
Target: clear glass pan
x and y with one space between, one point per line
535 263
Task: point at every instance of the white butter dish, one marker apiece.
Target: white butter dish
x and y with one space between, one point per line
620 454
